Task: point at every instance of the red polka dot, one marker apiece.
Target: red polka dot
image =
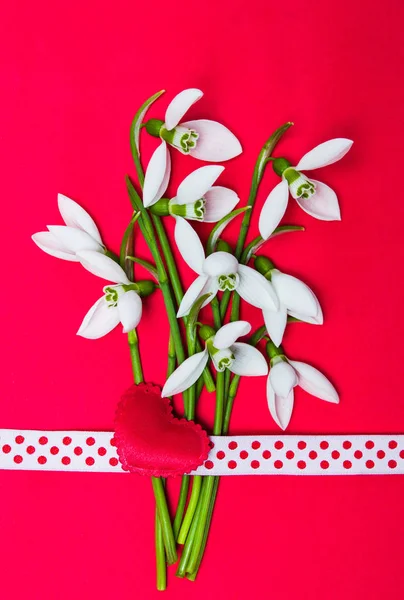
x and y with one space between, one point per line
211 444
18 459
290 454
78 450
358 454
42 460
255 464
370 464
208 463
54 450
347 464
392 464
324 464
278 464
19 439
278 445
66 460
220 455
244 454
6 448
90 441
113 443
301 445
114 461
90 461
266 454
381 454
255 445
324 445
232 464
232 445
30 449
67 440
347 444
102 451
402 454
43 440
301 464
312 454
335 454
369 444
392 444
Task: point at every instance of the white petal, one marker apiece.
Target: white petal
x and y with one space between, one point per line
189 245
280 408
75 216
294 294
314 382
273 210
256 290
157 175
201 286
74 240
100 320
47 242
186 374
198 183
324 154
130 310
283 378
220 201
275 322
102 266
317 319
228 334
220 263
216 143
323 204
179 106
248 360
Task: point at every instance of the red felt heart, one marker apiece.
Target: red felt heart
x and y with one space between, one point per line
151 441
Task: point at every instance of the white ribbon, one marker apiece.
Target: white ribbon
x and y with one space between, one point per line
92 451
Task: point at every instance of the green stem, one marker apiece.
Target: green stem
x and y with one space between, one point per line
193 501
164 516
160 555
192 576
186 552
182 500
216 313
133 341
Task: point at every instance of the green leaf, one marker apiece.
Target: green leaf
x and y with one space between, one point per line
258 242
126 239
220 227
137 122
192 319
145 264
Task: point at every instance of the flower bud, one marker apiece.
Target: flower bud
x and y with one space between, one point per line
206 332
160 208
279 165
264 266
153 126
223 246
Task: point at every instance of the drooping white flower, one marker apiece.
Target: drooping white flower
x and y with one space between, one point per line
220 271
314 197
225 352
120 303
197 198
295 299
284 376
202 138
79 233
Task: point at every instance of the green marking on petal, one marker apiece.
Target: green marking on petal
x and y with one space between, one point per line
181 138
299 185
228 282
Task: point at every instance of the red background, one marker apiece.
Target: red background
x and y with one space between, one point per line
72 76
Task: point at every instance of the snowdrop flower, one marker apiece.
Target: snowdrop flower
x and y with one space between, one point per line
197 198
220 271
203 139
121 303
226 353
80 233
284 376
314 197
295 299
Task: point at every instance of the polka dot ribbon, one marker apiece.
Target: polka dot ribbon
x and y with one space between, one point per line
231 455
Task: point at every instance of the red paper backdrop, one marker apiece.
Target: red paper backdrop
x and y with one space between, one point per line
72 76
